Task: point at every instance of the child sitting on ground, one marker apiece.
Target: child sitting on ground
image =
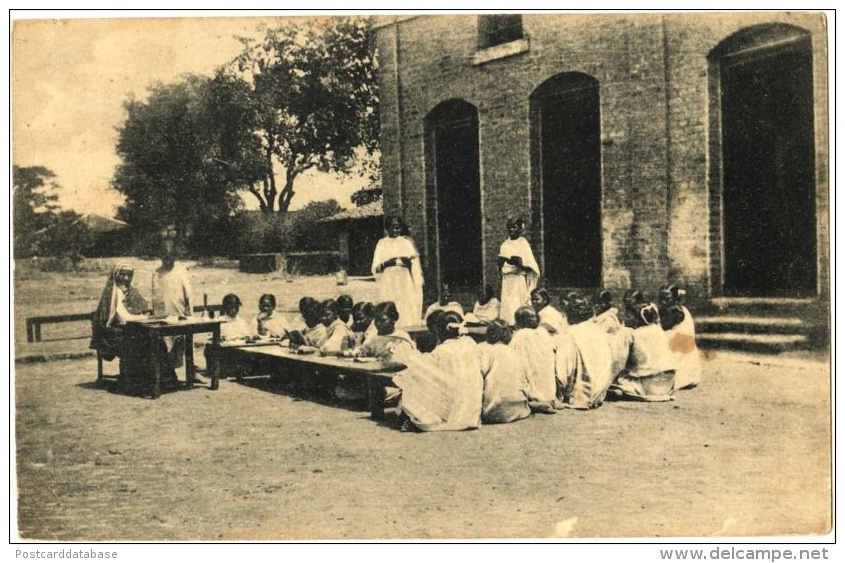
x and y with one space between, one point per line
585 375
535 346
444 303
505 377
550 318
650 374
486 309
679 326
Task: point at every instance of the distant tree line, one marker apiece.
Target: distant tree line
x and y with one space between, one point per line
40 227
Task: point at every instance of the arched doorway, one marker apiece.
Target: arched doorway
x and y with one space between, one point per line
764 90
566 166
454 192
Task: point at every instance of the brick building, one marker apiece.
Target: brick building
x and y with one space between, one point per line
639 148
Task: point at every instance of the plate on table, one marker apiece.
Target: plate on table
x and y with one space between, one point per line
366 359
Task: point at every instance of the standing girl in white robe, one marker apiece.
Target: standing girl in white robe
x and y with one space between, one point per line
519 271
396 266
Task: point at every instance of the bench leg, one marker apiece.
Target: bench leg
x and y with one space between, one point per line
30 331
375 395
38 332
99 367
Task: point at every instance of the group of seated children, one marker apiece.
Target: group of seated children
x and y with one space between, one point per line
546 362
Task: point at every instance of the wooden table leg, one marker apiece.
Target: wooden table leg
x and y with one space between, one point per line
190 370
376 395
155 343
215 358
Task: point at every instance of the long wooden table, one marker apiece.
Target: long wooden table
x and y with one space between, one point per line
154 329
378 373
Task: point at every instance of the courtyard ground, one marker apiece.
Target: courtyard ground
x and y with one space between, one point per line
748 453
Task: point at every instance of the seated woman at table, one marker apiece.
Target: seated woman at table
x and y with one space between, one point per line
119 302
505 379
649 374
268 323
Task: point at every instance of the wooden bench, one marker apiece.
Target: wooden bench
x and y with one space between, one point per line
33 324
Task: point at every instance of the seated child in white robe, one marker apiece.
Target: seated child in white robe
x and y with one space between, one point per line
550 318
586 375
678 323
650 373
486 308
535 346
505 377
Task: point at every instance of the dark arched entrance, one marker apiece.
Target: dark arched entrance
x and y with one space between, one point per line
454 191
768 213
566 163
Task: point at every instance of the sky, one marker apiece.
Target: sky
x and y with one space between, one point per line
70 78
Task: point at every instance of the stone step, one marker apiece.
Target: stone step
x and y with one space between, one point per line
752 324
766 343
761 306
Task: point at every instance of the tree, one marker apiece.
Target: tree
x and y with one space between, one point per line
33 204
314 94
66 236
170 146
367 195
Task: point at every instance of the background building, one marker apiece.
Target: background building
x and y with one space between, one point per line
640 148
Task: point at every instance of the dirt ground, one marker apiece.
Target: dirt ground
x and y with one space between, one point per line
748 453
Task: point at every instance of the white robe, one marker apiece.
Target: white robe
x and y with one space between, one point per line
505 384
650 375
516 282
459 357
586 374
537 350
488 312
171 291
551 318
687 359
399 284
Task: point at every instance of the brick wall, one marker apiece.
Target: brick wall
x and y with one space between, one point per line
655 130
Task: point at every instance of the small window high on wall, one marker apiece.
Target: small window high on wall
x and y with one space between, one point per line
497 29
